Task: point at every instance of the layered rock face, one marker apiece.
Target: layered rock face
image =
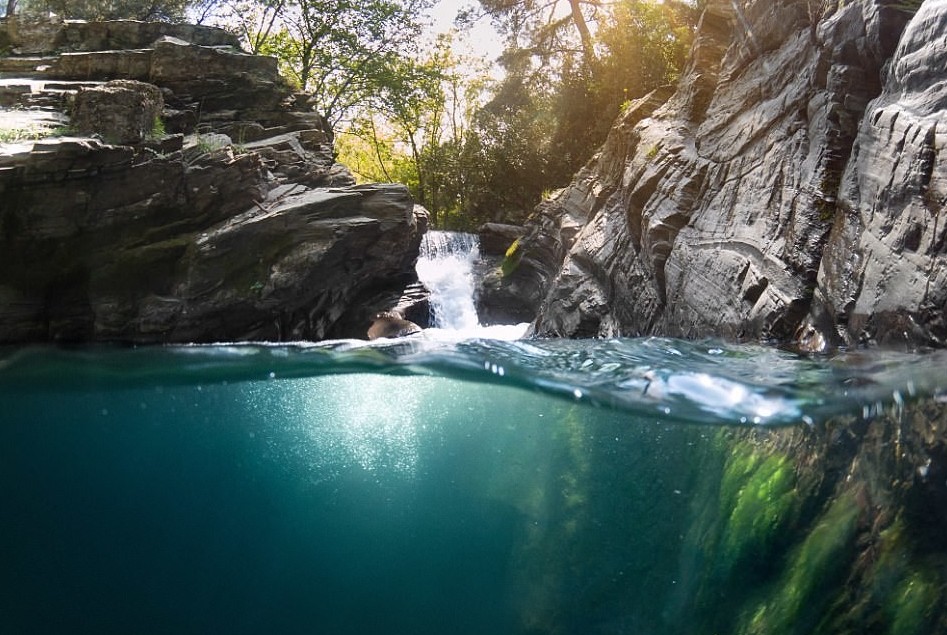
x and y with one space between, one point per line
884 269
224 217
791 186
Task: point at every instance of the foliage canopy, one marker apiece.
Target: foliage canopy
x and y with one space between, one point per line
343 52
568 69
563 90
167 10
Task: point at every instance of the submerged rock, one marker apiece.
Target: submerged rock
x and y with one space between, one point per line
194 207
793 178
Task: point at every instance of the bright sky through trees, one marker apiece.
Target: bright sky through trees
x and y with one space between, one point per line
481 41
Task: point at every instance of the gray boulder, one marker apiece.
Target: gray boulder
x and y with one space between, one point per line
237 226
883 274
500 296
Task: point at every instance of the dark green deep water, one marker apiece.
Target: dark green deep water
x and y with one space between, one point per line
430 487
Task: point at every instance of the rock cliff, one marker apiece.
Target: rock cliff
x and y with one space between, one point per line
157 184
792 185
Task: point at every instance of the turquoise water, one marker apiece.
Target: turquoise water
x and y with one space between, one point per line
411 487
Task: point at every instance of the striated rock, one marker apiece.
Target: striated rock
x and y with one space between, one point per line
501 299
101 65
32 37
238 226
174 60
883 275
712 214
151 249
285 271
496 238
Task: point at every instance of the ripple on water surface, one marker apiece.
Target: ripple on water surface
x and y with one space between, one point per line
702 382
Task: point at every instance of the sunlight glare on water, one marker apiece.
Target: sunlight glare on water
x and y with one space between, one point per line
371 419
721 395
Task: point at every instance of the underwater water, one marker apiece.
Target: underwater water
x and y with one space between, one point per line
429 485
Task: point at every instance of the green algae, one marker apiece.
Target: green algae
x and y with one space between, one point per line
742 524
759 500
908 591
814 567
912 606
555 493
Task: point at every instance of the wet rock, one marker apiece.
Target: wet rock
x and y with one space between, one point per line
883 275
288 269
729 208
496 238
413 303
501 297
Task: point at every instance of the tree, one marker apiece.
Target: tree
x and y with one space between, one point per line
413 101
556 103
372 151
647 43
510 146
644 45
253 21
167 10
340 51
544 27
415 126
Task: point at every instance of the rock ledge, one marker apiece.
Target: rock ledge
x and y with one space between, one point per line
191 207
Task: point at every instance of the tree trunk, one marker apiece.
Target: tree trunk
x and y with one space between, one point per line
422 184
588 46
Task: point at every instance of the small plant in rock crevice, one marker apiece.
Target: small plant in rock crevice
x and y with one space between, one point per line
511 259
158 129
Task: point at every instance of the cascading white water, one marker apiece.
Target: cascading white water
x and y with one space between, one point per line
445 268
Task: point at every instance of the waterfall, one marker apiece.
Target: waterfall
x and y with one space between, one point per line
445 268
